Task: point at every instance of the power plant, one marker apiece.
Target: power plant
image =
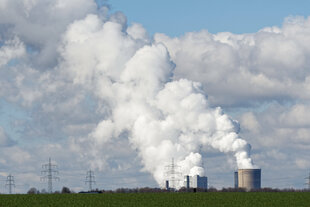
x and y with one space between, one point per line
250 179
196 181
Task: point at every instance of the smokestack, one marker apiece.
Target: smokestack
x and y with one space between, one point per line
167 185
187 182
236 179
249 179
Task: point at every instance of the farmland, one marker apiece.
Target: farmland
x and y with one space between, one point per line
214 199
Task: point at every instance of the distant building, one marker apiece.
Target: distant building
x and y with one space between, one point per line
196 181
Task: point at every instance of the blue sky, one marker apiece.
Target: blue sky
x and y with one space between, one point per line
177 17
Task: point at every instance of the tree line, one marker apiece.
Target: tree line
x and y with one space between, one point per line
65 190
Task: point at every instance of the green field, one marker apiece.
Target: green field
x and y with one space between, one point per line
214 199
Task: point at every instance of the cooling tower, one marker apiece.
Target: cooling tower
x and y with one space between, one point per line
249 178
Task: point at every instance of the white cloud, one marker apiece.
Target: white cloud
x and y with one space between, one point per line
5 140
249 122
40 24
302 163
245 68
297 116
16 155
10 50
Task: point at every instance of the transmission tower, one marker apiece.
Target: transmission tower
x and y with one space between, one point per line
49 171
308 181
10 182
173 174
90 179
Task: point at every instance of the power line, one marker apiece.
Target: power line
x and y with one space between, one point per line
50 170
90 179
10 182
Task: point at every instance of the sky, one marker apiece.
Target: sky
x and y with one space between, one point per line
178 17
122 87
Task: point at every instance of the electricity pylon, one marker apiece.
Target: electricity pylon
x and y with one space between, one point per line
50 170
10 183
90 179
308 181
173 174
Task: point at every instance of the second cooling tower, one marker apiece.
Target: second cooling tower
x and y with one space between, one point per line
249 178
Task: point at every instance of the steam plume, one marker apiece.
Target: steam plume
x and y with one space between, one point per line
160 117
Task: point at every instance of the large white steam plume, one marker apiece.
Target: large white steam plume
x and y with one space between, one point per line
161 117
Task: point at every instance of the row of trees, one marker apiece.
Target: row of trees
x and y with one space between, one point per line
43 191
258 190
159 190
211 189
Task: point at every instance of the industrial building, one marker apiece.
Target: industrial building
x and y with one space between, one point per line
196 181
248 179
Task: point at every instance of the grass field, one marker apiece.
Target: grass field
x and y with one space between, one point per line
216 199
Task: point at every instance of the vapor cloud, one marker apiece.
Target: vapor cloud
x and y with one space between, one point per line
161 118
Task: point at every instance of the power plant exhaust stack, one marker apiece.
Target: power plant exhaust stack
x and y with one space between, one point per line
167 185
236 179
250 179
